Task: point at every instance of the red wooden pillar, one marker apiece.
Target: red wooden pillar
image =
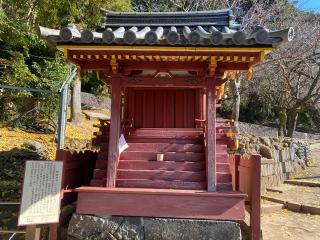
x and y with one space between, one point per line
113 154
255 213
211 134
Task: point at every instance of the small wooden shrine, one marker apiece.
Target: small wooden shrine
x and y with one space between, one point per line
167 73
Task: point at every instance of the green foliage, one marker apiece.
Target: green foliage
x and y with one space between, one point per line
84 13
256 110
90 83
310 119
153 6
28 61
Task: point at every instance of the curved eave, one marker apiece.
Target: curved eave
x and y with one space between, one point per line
173 36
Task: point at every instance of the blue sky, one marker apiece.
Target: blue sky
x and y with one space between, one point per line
308 5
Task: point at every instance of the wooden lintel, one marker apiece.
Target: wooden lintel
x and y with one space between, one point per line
189 82
195 66
113 153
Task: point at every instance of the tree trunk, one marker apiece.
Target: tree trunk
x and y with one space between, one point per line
292 123
235 87
76 102
282 128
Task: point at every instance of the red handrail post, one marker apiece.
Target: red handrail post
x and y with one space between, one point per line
255 218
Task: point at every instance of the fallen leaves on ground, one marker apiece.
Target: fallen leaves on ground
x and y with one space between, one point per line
10 139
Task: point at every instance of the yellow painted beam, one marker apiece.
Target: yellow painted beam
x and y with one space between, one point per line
114 64
196 58
225 74
212 65
74 56
250 74
262 55
165 58
65 52
150 58
79 72
182 58
204 58
220 58
158 58
174 58
165 48
142 57
233 75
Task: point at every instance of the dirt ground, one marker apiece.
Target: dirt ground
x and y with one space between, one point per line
287 225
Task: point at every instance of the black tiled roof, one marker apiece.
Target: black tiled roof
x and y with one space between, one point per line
206 28
202 18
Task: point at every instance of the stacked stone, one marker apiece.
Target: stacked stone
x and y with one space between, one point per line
281 158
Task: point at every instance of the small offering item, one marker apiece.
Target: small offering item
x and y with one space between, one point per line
160 156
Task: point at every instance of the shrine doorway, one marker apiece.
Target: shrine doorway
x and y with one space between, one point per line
162 108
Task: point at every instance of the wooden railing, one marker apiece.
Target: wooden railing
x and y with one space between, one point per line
246 171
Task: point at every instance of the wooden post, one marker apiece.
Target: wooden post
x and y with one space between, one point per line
54 231
211 135
255 213
33 232
113 154
211 127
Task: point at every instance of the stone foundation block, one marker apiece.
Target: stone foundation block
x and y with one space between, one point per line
148 228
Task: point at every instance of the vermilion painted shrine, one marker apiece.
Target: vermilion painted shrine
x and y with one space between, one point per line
167 73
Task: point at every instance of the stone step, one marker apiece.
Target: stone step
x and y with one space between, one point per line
305 183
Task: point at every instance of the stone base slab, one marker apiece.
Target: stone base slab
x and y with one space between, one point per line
147 228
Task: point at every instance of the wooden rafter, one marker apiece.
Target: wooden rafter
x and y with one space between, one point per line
111 61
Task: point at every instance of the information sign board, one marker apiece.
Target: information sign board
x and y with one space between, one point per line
40 202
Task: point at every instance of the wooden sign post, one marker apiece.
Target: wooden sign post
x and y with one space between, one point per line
40 202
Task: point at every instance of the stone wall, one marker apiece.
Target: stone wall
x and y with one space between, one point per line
281 158
148 228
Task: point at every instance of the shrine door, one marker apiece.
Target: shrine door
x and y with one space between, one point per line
163 108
